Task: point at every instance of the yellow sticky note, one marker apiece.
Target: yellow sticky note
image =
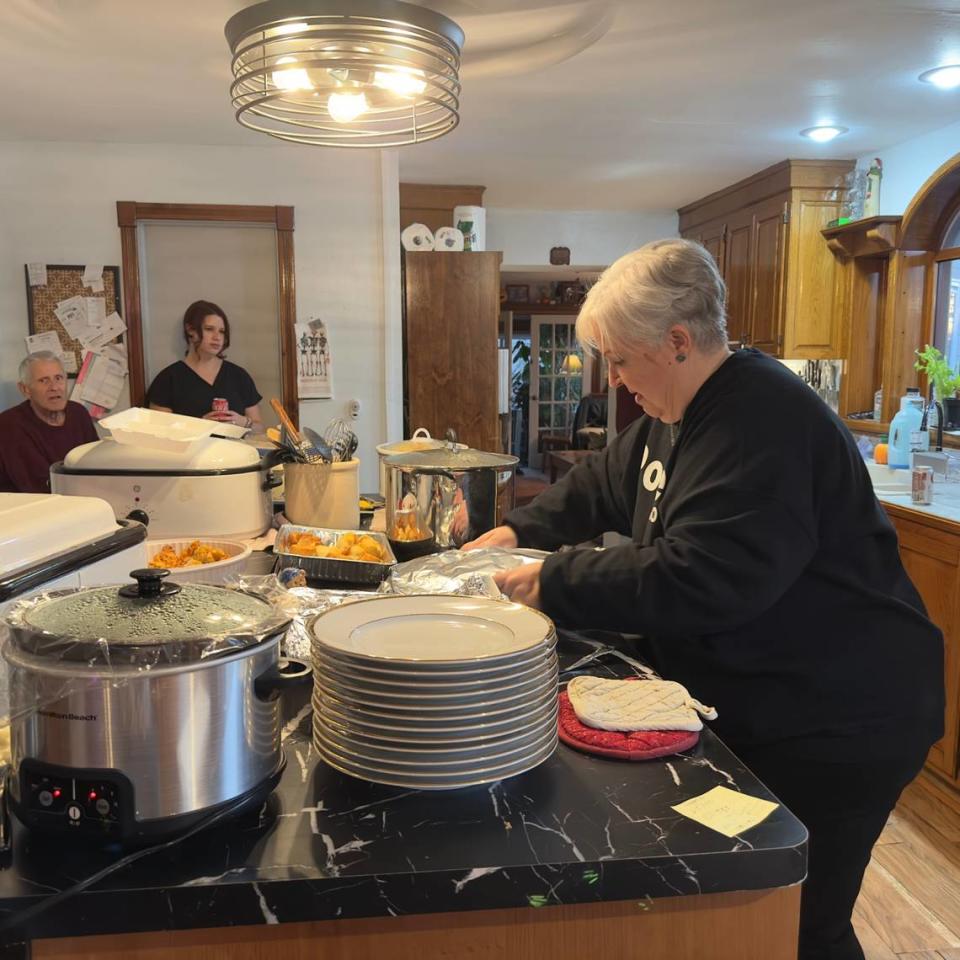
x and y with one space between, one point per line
726 811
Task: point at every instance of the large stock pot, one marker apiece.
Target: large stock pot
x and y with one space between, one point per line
441 499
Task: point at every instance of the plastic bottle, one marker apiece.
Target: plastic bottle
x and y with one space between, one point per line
878 404
905 430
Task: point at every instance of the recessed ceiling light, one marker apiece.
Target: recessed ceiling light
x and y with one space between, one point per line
946 78
822 134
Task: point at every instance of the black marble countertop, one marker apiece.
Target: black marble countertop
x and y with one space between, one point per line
577 829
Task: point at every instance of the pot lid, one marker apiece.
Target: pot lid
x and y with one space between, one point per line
150 622
208 453
430 461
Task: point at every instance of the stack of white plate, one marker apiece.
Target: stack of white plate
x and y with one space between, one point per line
434 692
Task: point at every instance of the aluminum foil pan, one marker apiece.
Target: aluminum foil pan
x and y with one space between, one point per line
328 568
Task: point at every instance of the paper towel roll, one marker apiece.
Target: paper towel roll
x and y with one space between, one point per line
477 216
417 237
448 238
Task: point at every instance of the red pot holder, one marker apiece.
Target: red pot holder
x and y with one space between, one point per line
635 745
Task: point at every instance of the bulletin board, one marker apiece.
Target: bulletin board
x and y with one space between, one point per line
65 281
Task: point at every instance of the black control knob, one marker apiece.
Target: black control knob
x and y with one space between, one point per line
141 516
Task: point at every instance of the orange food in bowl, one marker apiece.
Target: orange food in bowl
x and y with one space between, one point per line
880 453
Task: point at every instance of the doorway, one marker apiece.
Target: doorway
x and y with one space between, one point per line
558 370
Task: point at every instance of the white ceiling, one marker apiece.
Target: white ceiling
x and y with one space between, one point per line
670 98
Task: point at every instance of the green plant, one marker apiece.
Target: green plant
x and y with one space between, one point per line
945 380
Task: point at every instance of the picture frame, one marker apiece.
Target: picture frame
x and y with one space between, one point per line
518 293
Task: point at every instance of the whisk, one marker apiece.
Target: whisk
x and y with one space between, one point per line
341 440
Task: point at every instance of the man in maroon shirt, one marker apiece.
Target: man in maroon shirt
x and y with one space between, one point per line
41 430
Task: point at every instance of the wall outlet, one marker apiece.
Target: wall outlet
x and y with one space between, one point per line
353 408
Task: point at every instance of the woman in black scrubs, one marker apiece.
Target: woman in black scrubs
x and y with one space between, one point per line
189 386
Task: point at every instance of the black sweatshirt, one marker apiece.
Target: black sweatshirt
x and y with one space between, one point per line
763 572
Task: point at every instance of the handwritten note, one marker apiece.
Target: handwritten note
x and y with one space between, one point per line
726 811
37 272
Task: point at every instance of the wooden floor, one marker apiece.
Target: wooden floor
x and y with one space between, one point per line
909 906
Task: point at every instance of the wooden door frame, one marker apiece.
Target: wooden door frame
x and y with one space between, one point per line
130 214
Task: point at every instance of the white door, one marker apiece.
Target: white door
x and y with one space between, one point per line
558 371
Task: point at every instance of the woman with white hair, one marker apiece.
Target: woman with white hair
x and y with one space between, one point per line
762 572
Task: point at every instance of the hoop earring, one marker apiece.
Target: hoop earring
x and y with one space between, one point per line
681 357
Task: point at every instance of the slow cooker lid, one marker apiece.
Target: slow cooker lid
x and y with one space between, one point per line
150 622
447 459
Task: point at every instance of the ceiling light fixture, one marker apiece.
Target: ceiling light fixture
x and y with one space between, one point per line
823 134
946 78
345 73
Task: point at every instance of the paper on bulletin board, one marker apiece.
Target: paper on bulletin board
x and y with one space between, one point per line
314 362
93 277
37 272
726 811
100 381
49 341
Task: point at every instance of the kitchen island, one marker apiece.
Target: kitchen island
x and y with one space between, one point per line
580 855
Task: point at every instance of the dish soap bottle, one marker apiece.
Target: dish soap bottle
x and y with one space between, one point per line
905 429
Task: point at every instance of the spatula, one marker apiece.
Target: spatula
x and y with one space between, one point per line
307 451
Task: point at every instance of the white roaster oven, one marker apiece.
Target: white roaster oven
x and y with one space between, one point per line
205 486
48 542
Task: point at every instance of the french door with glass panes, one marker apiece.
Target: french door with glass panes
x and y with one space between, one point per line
558 371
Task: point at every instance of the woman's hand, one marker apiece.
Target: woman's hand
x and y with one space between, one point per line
521 584
497 537
228 416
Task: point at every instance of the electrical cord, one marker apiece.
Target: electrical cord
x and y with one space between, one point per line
31 913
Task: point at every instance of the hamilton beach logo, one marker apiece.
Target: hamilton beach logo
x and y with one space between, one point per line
67 716
654 480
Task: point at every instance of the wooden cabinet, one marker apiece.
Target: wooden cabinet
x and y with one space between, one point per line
451 318
930 551
764 233
766 317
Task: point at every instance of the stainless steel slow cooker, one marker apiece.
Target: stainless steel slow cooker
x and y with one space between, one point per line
138 711
438 499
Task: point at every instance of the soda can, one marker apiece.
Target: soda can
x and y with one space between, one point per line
220 405
921 485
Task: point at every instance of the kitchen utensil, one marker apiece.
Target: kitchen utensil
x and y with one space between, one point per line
451 495
307 452
353 443
339 438
319 443
220 488
141 711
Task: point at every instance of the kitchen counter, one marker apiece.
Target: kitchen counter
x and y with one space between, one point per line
576 830
945 506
